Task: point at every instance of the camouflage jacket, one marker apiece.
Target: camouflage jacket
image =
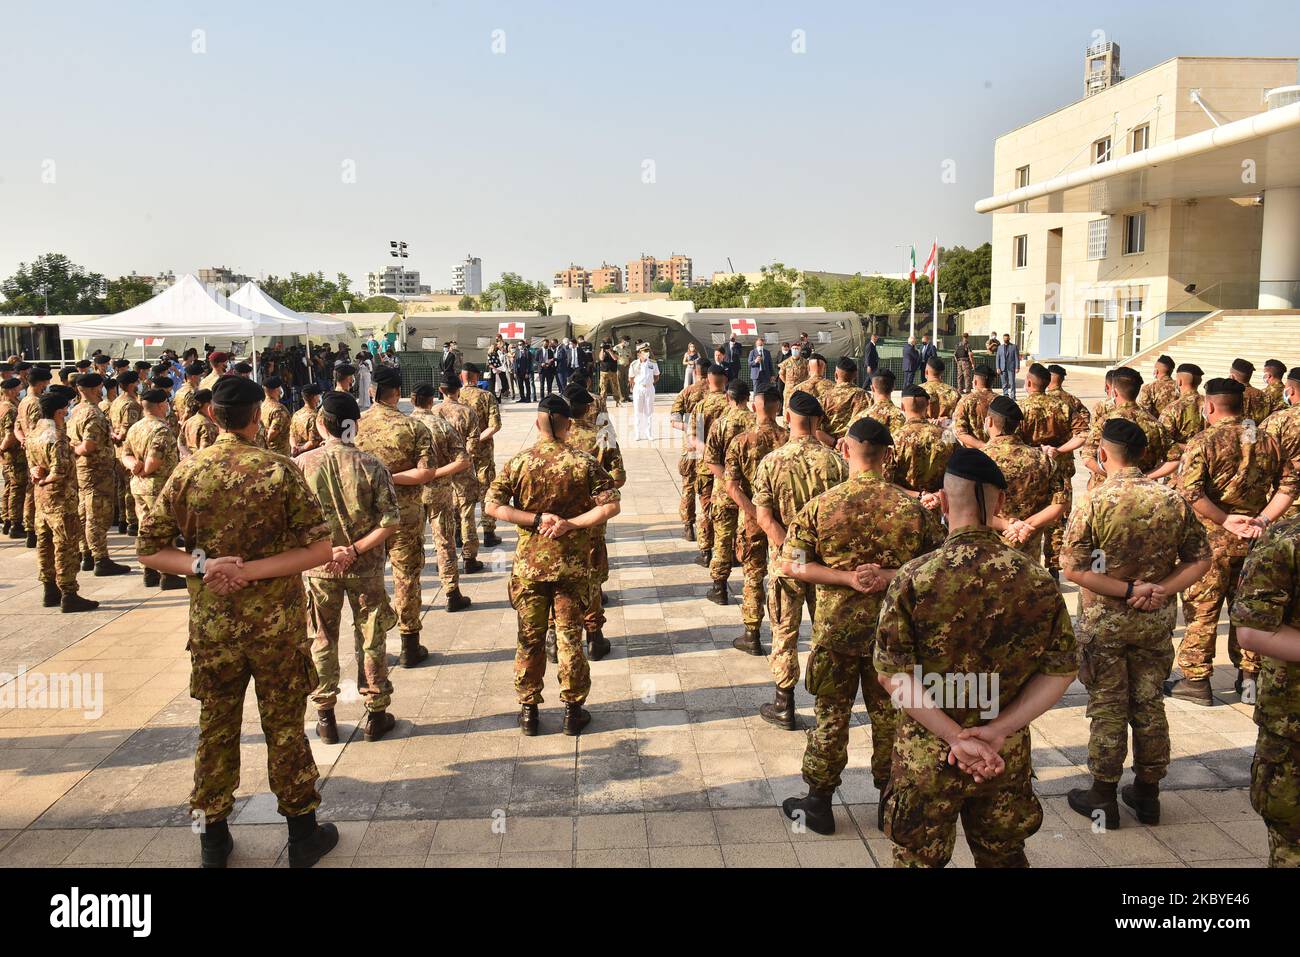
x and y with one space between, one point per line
356 496
1255 405
489 413
1268 597
553 477
94 471
151 437
197 433
1049 420
1273 394
920 455
1237 468
737 420
863 520
1284 427
1157 437
302 428
183 402
842 403
1077 408
469 427
1155 396
8 417
942 396
401 443
1182 419
972 409
448 447
602 445
1133 529
886 413
791 476
711 407
685 402
792 371
125 412
1033 482
817 388
975 607
48 448
209 502
746 451
275 426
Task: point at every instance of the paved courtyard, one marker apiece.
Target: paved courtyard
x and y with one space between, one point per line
675 769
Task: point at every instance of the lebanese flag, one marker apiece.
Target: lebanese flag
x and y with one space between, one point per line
911 274
149 341
931 267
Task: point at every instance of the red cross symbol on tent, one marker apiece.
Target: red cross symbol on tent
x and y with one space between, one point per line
511 330
744 327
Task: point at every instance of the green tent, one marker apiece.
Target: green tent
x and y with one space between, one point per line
668 339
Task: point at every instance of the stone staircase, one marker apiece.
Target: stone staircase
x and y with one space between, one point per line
1213 342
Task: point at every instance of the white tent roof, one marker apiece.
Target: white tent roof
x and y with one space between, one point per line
251 296
187 309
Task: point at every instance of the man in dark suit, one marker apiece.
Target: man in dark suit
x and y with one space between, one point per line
546 366
524 373
566 362
911 362
871 360
760 366
733 357
722 357
928 351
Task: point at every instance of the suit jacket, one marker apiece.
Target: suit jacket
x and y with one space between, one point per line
911 358
566 359
928 352
872 358
760 367
1008 357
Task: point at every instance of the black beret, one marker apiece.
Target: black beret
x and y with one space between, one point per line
1039 371
424 391
387 377
935 363
1275 367
916 392
1165 361
341 405
52 401
1191 368
162 382
867 429
1006 407
471 367
194 369
738 390
1243 366
243 368
90 380
578 397
1224 387
554 404
805 403
1294 374
1127 374
984 372
155 395
201 396
11 383
39 374
343 369
66 391
122 363
770 394
451 381
128 378
975 465
235 390
272 382
312 389
1055 369
22 366
716 369
83 364
99 359
846 364
1125 432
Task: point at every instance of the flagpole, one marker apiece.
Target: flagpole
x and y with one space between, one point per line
934 315
912 328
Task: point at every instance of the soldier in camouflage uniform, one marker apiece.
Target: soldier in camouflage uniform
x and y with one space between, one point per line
1254 404
1035 495
815 383
275 418
405 447
200 429
1050 421
303 434
450 459
711 407
1183 417
972 608
183 401
848 542
489 412
1284 427
1157 394
787 479
920 450
356 495
1266 614
149 454
248 616
1274 388
14 461
844 400
1107 402
25 422
744 453
1124 386
54 484
680 415
792 370
882 408
971 410
726 514
1132 545
92 443
465 493
218 363
122 414
943 397
1229 473
556 495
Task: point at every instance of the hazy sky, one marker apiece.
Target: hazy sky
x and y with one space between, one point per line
521 132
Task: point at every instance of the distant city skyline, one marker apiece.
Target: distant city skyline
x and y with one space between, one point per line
176 137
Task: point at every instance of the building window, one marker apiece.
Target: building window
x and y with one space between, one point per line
1101 150
1141 138
1097 230
1020 252
1135 234
1022 177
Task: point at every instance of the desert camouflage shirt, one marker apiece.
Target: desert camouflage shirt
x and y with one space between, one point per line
792 370
448 447
8 417
469 427
972 409
1284 426
401 443
87 423
489 413
791 476
1237 467
746 451
920 455
884 412
1274 394
183 402
125 412
724 430
842 403
817 388
1157 438
48 448
302 428
198 432
275 426
152 438
1155 396
943 396
356 496
1182 419
711 407
1255 405
1033 482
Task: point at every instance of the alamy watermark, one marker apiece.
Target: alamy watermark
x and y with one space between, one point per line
58 691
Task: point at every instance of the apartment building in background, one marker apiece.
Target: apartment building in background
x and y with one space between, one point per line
641 274
221 279
1089 272
467 277
394 281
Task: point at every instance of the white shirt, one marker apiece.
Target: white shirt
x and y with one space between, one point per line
643 373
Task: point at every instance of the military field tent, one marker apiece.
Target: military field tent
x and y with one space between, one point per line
833 334
668 340
427 333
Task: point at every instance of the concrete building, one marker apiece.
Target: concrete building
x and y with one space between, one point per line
220 278
1125 217
606 278
641 274
575 277
395 281
467 277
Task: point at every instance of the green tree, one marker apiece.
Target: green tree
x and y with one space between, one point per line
467 303
378 304
724 294
126 293
662 285
312 292
517 292
55 281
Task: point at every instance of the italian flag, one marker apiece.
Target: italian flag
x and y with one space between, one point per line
911 275
931 263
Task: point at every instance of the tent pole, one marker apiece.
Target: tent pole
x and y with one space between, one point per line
255 376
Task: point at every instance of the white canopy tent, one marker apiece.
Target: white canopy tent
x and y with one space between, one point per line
251 296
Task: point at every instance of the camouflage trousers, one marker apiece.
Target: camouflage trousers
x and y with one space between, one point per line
927 796
534 602
834 677
372 617
704 522
95 511
58 549
786 598
442 522
126 502
686 509
609 386
751 549
29 505
1054 535
1275 795
485 473
965 375
1202 602
465 496
13 465
1125 689
282 677
726 521
406 553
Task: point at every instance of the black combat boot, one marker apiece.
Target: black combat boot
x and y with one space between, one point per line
882 788
718 594
87 562
456 601
490 540
1195 690
104 567
704 559
327 729
552 650
1099 797
814 809
52 595
604 599
460 541
309 841
576 717
73 602
1056 574
172 582
17 530
152 578
688 532
378 724
1144 799
133 529
4 528
215 845
749 643
780 711
121 526
412 651
473 565
528 719
597 645
31 539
